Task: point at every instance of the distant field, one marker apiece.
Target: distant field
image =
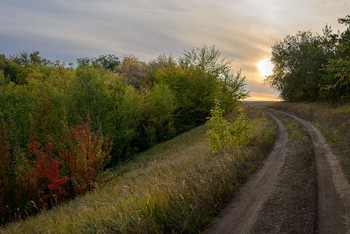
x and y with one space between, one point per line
257 102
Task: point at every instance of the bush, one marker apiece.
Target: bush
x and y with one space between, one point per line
51 173
135 104
224 136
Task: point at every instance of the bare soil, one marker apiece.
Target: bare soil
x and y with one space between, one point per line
332 187
292 198
241 213
292 207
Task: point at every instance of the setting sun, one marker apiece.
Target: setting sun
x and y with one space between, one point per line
266 67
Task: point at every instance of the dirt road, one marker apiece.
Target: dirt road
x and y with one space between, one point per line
241 213
333 190
332 187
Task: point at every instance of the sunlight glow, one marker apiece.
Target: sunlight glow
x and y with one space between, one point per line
266 67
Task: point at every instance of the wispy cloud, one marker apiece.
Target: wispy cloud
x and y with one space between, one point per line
243 30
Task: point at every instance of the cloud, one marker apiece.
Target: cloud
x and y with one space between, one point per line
243 30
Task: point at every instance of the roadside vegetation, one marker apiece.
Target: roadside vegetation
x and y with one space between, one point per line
176 186
61 125
291 208
333 121
312 74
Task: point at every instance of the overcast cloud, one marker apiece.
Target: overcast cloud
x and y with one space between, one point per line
243 30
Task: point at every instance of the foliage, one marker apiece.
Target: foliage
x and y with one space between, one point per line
108 62
200 78
133 103
312 68
46 175
158 111
83 156
224 136
50 174
30 59
241 131
132 71
175 187
219 134
341 69
298 60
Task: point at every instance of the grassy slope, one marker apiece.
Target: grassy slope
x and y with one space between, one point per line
332 120
175 186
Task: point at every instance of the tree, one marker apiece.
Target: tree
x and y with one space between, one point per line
207 60
313 68
30 59
297 72
132 71
108 62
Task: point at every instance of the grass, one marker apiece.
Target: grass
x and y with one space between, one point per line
177 186
333 121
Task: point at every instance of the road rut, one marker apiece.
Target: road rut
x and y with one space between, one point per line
241 213
332 187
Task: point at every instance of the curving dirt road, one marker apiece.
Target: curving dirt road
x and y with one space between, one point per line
333 190
332 187
241 213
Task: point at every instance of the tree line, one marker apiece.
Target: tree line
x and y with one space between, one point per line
311 67
60 125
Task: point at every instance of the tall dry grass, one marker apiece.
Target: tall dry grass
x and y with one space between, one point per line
177 186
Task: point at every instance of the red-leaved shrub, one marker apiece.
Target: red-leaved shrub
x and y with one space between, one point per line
48 174
4 167
85 155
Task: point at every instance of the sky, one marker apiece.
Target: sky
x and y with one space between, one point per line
243 30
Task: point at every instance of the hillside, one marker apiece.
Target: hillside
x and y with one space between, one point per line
178 185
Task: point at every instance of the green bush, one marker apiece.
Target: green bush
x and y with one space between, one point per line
223 135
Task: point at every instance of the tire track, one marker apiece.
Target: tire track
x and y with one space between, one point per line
332 186
241 213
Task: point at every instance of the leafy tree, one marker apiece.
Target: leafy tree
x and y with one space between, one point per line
132 71
30 59
297 70
339 66
133 103
158 115
313 68
109 62
207 60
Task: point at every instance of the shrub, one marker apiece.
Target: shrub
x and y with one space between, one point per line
219 134
84 156
46 175
52 173
224 136
4 169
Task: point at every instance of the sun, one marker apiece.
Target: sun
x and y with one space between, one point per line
266 67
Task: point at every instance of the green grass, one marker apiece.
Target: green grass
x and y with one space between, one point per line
177 186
